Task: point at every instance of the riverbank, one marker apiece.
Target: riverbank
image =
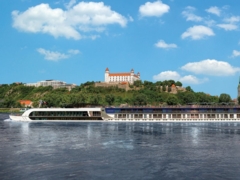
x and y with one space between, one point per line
9 110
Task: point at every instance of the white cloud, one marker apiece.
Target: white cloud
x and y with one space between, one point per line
198 32
173 75
50 55
95 14
162 44
167 75
92 37
190 16
55 56
214 10
57 22
130 18
232 19
235 53
73 51
70 4
210 22
156 8
85 28
190 79
228 27
211 67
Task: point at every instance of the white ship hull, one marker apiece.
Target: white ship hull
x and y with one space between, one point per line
179 114
19 118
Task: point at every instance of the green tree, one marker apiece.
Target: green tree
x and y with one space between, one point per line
158 83
119 100
77 99
178 84
186 97
169 89
8 103
238 100
170 82
224 98
202 97
95 99
188 88
172 100
164 88
109 98
137 83
140 99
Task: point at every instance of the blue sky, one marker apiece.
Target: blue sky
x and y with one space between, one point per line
74 41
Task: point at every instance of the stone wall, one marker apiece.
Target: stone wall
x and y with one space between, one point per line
174 89
119 85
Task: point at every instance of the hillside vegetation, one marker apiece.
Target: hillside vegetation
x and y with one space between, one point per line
140 93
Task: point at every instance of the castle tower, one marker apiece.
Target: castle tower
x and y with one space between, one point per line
132 74
132 71
238 88
107 75
138 74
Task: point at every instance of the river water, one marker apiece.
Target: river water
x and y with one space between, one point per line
118 150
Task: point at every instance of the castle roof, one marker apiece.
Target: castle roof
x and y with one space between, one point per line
123 73
120 74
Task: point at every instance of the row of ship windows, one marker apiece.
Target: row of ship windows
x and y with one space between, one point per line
64 113
175 116
175 111
65 118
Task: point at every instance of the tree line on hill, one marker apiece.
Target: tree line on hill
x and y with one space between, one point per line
140 94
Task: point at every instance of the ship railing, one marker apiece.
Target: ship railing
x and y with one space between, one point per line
177 106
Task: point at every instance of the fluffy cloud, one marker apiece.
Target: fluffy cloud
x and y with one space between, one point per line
55 56
232 19
235 53
57 22
167 75
214 10
228 27
163 45
156 8
198 32
211 67
190 79
190 16
73 51
70 4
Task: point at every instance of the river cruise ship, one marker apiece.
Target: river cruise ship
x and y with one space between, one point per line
176 113
60 114
168 113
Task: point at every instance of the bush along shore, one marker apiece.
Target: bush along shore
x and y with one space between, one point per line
9 110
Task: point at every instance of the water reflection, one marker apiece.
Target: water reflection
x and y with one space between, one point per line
124 150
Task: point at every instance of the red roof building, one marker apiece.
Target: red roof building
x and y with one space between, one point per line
26 103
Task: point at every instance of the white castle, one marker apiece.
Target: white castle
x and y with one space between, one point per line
129 77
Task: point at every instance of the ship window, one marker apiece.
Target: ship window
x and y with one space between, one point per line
96 113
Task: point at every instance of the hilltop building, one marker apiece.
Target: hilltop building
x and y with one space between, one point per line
54 83
120 80
128 77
